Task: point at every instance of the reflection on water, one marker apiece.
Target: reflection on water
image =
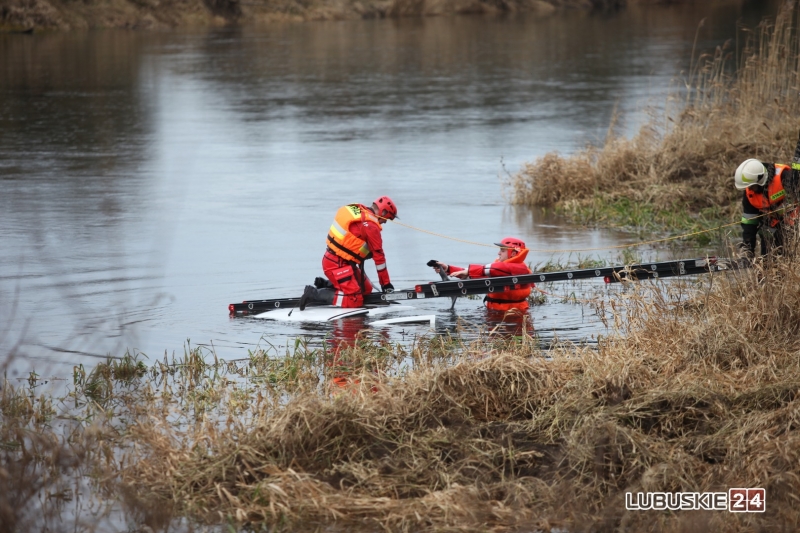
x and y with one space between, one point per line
148 180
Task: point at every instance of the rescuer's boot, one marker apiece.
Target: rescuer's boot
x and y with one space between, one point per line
309 295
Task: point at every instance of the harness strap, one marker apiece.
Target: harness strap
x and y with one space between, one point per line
342 248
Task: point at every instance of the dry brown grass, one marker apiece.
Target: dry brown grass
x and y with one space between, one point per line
735 104
689 395
696 390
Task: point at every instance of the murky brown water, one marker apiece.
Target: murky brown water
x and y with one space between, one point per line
149 179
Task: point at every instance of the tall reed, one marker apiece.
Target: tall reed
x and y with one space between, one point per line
741 101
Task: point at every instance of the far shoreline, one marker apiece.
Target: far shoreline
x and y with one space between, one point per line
33 16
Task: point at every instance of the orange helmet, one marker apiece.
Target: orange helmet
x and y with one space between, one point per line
513 244
386 208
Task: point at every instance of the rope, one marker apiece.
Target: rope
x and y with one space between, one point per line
611 247
440 235
643 243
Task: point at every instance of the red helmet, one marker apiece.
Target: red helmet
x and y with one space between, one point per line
386 208
511 243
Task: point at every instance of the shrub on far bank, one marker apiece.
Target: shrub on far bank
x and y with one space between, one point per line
21 15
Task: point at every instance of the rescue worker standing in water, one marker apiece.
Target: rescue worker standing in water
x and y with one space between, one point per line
770 193
354 237
510 262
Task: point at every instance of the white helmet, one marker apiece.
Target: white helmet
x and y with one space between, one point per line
751 172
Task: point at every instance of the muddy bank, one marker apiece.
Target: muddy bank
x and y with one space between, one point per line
35 15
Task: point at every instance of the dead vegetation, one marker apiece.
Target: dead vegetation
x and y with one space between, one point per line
695 389
740 101
686 397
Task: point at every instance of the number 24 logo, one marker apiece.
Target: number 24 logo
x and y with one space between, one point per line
746 500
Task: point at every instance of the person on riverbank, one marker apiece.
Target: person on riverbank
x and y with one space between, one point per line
770 193
510 262
354 237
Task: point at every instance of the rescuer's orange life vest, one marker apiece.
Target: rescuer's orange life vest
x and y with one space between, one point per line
343 243
770 200
515 297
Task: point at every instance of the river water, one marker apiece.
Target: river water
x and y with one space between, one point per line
147 180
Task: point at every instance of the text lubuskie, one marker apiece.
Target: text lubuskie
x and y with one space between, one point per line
736 500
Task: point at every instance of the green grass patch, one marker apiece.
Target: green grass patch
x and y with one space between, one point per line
705 227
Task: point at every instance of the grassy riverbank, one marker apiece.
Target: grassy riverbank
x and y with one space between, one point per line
695 390
22 15
676 174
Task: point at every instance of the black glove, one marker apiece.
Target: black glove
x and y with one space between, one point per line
433 263
322 283
387 288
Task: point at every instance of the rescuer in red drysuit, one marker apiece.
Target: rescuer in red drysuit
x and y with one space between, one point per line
509 262
354 237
